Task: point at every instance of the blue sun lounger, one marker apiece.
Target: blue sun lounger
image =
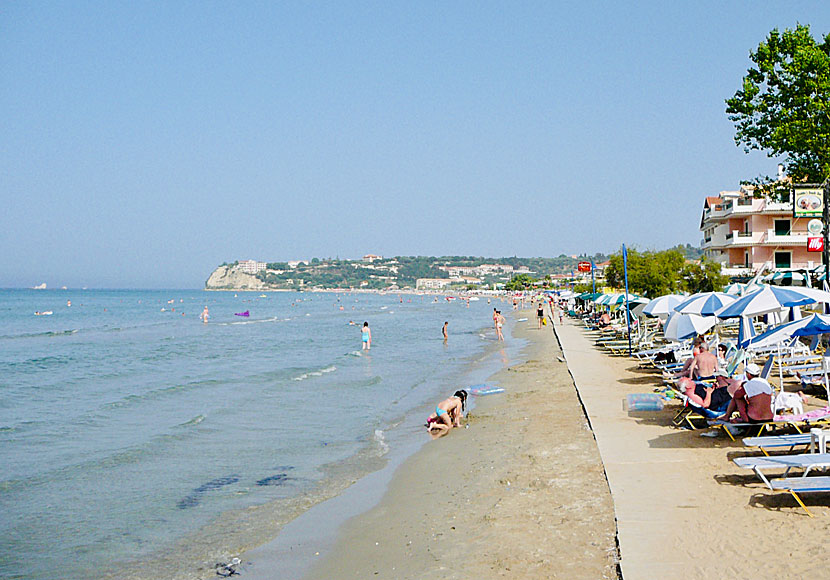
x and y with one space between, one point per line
805 461
796 485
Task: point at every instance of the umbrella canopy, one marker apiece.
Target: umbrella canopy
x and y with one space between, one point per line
681 326
735 289
705 303
663 306
786 278
772 299
808 326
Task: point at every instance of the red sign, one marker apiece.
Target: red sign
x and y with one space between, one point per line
815 244
584 266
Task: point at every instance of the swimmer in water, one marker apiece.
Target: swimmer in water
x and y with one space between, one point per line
445 332
204 315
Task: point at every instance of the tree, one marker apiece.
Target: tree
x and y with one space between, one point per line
705 276
650 273
783 106
519 282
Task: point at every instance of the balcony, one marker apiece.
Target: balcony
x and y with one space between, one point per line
788 239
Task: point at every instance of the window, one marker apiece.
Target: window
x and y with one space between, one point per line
783 259
782 227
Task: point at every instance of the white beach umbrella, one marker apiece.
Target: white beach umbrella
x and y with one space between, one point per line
735 289
681 326
705 303
662 306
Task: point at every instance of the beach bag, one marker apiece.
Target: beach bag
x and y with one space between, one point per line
544 322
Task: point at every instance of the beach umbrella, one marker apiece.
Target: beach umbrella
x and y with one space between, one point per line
785 278
807 326
772 299
705 303
735 289
681 326
746 329
662 306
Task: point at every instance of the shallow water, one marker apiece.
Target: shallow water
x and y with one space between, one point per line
127 425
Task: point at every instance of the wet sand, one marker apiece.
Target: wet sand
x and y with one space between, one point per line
521 493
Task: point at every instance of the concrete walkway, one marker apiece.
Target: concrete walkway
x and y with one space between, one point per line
641 477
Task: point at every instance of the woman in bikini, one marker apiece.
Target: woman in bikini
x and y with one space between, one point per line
448 413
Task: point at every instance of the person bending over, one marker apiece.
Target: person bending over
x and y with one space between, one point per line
448 413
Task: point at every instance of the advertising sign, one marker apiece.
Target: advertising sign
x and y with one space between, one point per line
815 227
815 244
808 201
584 266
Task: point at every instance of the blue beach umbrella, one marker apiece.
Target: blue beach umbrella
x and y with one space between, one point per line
746 330
705 303
808 326
772 299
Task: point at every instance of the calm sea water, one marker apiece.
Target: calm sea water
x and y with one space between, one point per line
127 425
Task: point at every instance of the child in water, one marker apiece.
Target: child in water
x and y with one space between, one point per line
366 335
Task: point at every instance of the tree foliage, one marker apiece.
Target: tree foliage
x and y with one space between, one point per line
519 282
783 106
654 274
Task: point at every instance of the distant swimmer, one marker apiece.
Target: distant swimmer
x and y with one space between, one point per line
204 315
68 303
445 332
366 335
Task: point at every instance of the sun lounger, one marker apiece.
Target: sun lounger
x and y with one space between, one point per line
796 485
816 439
805 461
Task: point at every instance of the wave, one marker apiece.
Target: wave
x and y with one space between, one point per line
255 321
382 447
194 421
317 373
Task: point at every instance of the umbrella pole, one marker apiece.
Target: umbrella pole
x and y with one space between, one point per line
780 371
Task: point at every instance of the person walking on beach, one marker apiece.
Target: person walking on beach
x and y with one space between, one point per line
366 335
540 314
445 332
447 413
204 315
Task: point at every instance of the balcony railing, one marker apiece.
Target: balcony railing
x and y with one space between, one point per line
744 201
744 234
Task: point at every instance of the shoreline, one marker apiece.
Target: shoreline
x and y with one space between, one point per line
521 493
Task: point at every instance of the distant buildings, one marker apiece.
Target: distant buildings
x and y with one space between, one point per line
371 258
252 266
432 283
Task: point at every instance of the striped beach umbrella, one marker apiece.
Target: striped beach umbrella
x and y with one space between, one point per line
662 306
772 299
705 303
681 326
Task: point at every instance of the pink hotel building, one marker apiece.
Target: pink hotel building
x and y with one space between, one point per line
745 233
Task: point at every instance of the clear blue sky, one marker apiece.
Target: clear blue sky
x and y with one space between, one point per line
144 143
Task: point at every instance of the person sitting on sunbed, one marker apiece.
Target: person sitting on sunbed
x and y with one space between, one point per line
684 371
704 364
712 401
752 400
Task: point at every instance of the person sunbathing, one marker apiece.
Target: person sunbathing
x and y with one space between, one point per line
712 400
752 400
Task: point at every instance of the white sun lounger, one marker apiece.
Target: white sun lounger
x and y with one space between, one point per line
805 461
816 439
796 485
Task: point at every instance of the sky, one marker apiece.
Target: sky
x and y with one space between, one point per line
142 144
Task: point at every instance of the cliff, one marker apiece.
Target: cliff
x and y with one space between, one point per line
233 278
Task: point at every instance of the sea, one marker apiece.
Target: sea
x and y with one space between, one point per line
139 441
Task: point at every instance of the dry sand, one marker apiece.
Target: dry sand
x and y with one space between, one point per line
520 494
523 493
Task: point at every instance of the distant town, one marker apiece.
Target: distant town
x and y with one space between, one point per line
375 272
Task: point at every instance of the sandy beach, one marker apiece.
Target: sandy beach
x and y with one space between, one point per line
521 493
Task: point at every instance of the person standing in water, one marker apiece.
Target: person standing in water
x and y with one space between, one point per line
204 315
366 335
500 320
445 332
